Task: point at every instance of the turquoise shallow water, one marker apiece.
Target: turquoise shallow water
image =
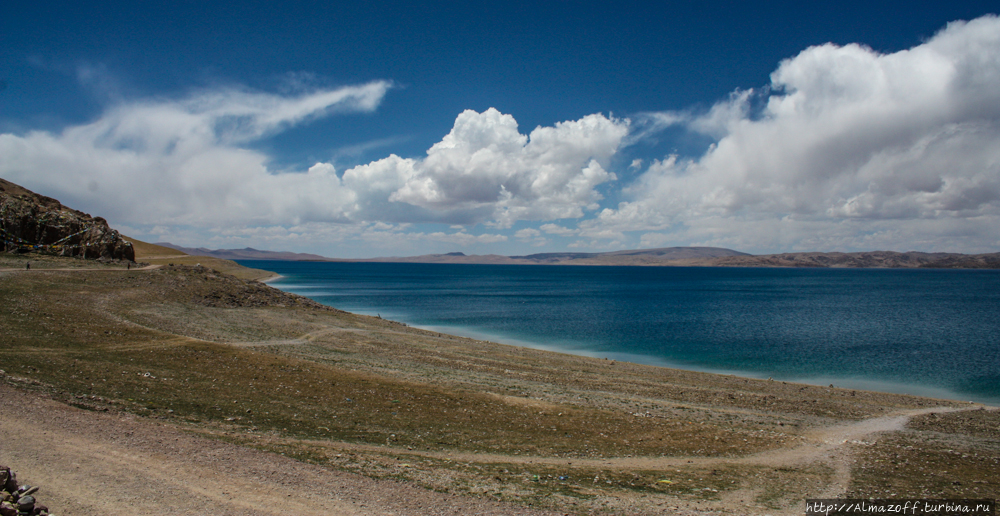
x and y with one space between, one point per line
929 332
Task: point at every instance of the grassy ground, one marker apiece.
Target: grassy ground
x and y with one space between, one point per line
954 455
45 261
159 255
240 361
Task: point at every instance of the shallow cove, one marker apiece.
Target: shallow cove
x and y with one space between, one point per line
926 332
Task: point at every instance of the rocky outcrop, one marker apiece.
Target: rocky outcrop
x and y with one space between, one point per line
32 223
18 500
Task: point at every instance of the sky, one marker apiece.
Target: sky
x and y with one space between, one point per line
384 128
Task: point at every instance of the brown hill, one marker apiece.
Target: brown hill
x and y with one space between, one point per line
145 250
661 256
154 254
248 253
490 259
32 223
720 257
874 259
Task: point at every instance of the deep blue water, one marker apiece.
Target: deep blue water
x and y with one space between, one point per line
930 332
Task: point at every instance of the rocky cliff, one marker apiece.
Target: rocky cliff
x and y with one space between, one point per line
32 223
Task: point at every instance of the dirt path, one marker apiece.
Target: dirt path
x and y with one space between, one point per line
71 269
818 446
830 446
115 464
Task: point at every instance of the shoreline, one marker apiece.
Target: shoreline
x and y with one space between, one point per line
273 277
861 384
866 384
180 349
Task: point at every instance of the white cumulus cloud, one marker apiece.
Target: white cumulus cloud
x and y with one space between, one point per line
852 148
187 168
485 170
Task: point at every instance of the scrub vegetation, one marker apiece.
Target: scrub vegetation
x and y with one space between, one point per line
239 361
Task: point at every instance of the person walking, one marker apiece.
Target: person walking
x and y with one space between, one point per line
27 266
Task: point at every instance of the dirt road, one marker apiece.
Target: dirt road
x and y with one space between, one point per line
115 464
83 269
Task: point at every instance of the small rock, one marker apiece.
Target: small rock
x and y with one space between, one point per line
26 504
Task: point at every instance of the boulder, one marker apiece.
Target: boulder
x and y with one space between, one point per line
10 480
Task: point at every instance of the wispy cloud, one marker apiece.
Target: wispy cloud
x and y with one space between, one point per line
185 162
531 236
360 149
555 229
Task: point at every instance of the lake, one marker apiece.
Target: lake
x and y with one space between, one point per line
927 332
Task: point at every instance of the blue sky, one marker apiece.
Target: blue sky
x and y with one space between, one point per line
387 128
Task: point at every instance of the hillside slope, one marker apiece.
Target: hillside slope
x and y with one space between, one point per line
247 253
156 254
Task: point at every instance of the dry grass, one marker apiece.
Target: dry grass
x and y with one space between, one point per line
101 352
921 465
159 255
46 261
244 362
146 250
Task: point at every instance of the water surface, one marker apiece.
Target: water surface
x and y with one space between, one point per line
929 332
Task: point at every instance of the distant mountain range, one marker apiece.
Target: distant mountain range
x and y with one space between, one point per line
33 222
667 256
662 256
248 253
872 259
